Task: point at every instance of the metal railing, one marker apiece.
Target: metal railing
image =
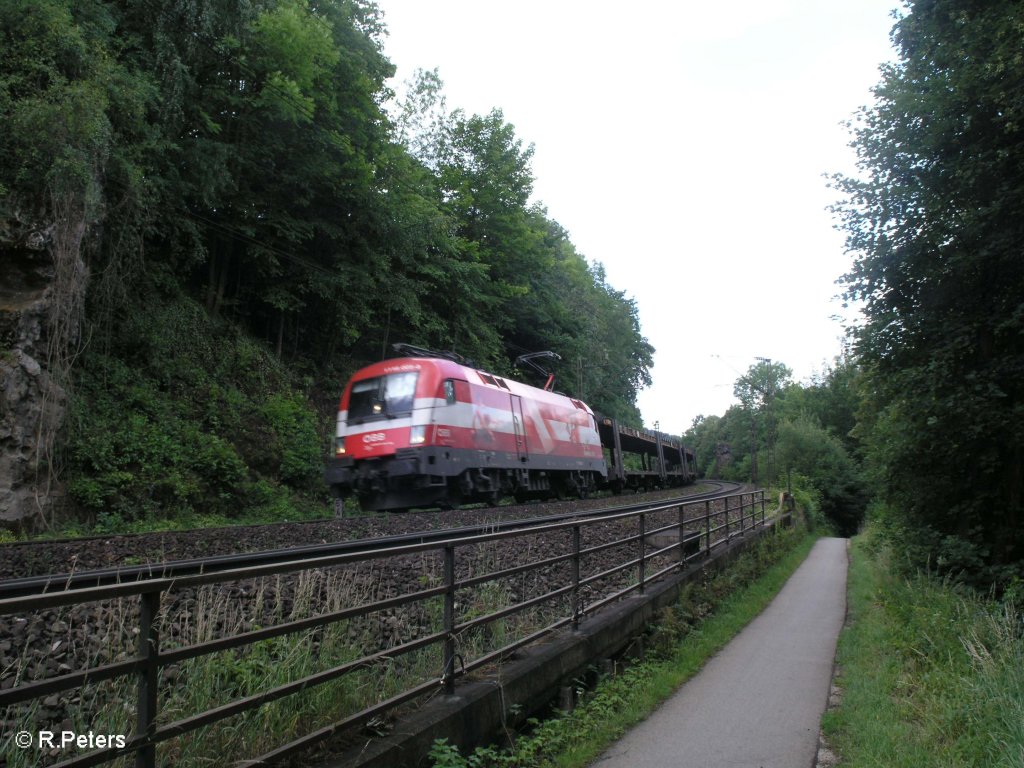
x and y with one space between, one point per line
587 581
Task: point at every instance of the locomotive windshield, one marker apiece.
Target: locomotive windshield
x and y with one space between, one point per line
385 397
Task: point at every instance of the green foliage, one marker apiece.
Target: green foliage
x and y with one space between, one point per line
51 100
168 461
934 222
445 755
240 155
802 431
822 461
293 427
301 49
137 456
757 388
531 290
187 418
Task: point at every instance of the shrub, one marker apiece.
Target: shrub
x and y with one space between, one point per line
292 425
185 418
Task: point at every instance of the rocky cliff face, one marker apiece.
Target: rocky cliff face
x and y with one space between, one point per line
32 401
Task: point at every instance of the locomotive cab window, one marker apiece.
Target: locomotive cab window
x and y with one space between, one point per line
384 397
454 391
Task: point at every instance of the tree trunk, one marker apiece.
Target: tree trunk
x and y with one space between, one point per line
211 284
280 333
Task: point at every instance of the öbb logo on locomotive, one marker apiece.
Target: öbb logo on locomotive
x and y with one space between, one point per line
430 429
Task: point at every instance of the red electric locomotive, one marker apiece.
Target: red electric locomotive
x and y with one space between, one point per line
429 431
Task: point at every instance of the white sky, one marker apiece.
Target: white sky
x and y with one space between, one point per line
683 145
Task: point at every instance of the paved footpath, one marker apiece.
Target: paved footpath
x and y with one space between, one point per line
758 703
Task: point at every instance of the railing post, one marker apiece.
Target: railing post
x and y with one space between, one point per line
148 676
448 678
707 527
576 607
727 520
682 538
643 550
762 507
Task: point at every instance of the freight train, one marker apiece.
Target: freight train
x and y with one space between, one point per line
431 430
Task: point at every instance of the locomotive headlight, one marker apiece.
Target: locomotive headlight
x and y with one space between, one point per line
339 447
418 435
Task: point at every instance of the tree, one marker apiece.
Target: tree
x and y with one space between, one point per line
421 117
486 182
831 399
710 437
935 221
809 450
540 293
756 390
237 160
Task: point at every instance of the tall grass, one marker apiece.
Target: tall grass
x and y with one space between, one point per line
933 675
216 679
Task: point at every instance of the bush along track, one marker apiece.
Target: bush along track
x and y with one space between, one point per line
932 674
709 614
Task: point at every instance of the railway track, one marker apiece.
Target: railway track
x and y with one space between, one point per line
37 585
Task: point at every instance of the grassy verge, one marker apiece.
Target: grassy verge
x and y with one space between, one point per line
708 615
932 675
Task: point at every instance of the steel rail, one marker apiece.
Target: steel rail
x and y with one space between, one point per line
296 561
29 543
39 585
